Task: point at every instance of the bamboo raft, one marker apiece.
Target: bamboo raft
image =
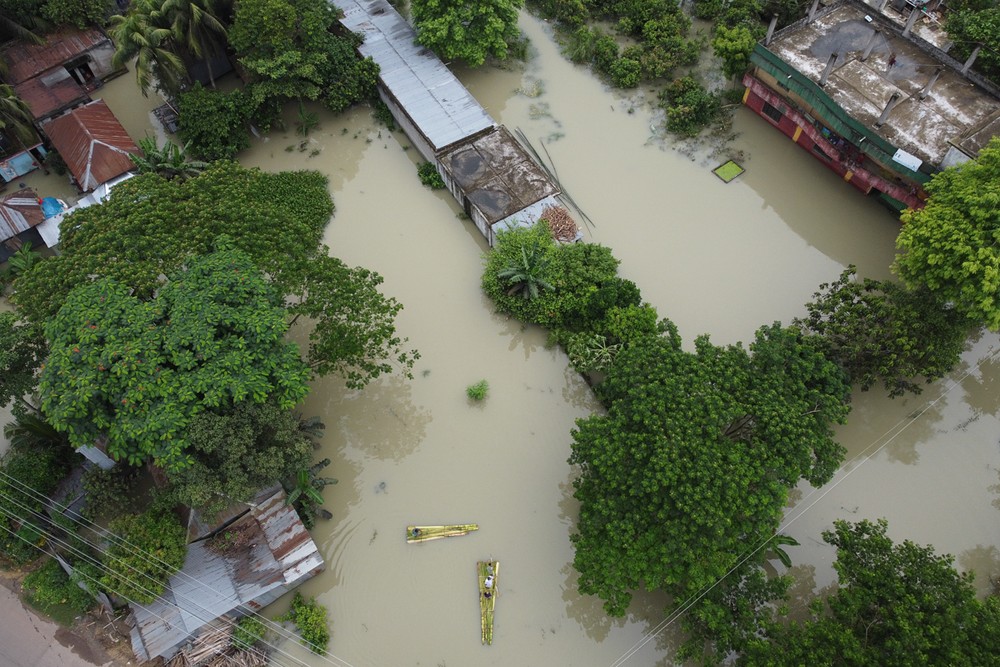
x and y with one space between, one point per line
427 533
487 602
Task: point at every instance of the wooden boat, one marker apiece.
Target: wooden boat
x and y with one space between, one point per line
425 533
487 596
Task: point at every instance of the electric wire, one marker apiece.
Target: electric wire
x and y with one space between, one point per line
862 458
285 633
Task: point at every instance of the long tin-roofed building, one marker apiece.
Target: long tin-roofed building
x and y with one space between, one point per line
873 101
430 104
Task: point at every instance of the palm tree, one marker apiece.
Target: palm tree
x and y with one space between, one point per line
29 432
16 27
170 161
195 26
525 275
15 117
143 34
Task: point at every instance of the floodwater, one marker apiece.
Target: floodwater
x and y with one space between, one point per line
715 258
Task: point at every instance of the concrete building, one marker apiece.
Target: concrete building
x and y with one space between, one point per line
871 99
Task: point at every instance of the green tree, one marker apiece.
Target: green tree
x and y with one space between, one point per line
973 22
15 117
734 46
134 372
289 49
79 13
694 459
466 31
169 160
881 331
950 246
143 34
22 349
214 124
150 226
196 28
145 550
237 453
894 605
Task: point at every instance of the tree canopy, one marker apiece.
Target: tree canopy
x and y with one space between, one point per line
881 331
951 245
134 372
693 461
150 226
894 605
466 31
21 353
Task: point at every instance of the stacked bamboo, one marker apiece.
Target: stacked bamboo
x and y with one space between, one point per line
487 603
560 223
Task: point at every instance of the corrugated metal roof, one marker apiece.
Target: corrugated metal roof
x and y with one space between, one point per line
26 60
93 144
47 94
439 105
19 212
211 584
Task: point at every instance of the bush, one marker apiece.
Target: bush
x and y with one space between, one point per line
78 13
107 491
309 617
690 108
383 115
38 470
478 391
605 53
248 631
626 72
130 573
50 586
429 176
214 124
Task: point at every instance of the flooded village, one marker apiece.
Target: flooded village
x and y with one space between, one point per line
716 258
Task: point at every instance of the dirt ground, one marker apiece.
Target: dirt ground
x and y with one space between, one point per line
95 639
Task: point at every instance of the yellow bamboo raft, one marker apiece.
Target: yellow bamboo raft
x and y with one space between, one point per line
487 596
427 533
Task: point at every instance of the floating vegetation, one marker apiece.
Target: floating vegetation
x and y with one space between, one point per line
532 87
289 148
540 110
314 152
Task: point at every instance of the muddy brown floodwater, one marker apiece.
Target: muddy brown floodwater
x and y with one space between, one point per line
715 258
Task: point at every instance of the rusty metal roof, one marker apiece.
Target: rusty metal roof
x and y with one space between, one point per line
440 106
26 60
48 94
211 584
19 212
93 144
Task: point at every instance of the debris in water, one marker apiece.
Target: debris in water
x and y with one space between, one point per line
380 487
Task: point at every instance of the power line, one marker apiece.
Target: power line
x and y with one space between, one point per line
284 633
903 424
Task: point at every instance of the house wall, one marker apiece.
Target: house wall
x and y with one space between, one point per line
404 122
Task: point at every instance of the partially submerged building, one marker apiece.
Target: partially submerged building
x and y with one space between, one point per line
274 555
20 215
93 144
872 100
487 171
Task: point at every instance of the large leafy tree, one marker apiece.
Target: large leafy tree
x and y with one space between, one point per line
895 605
973 22
134 372
21 353
881 331
151 225
951 246
237 453
693 461
467 31
290 52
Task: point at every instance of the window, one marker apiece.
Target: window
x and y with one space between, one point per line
819 151
772 113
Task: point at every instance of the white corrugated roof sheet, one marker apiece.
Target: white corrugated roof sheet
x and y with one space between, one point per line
439 105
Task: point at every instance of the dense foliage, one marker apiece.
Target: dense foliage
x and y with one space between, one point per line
950 246
144 551
695 457
895 605
21 353
309 617
466 31
215 124
972 22
289 51
236 453
881 331
49 586
134 372
150 226
689 106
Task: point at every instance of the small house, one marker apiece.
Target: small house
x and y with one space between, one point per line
268 553
92 143
20 215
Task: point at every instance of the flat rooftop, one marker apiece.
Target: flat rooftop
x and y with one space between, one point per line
955 111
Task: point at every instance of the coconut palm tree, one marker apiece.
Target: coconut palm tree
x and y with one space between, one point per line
525 273
144 34
16 27
196 27
15 117
169 161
